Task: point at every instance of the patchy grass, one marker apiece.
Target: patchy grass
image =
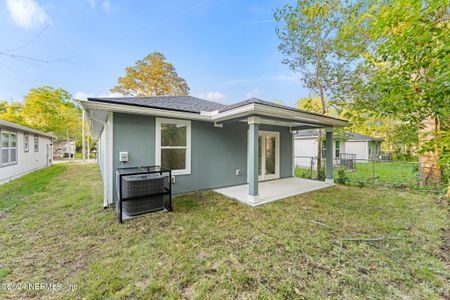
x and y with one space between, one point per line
386 174
16 191
212 247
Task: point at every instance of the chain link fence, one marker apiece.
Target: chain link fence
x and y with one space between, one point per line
367 172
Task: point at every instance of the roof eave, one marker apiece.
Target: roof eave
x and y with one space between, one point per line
124 108
295 116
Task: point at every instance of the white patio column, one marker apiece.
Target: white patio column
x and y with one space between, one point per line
329 156
252 159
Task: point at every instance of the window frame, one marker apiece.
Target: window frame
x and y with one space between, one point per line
337 149
158 147
9 148
36 143
26 142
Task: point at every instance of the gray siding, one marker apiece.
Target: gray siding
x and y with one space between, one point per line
216 152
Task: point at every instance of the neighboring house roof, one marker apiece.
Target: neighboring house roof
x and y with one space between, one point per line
177 103
349 136
352 136
25 129
193 104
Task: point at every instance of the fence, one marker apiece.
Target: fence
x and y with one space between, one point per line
365 172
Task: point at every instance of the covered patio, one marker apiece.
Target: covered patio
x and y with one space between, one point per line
273 190
265 184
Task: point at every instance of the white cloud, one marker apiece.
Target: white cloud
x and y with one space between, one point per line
81 96
253 93
27 13
106 4
84 96
92 3
213 96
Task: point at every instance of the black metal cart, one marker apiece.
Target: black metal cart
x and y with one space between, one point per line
142 190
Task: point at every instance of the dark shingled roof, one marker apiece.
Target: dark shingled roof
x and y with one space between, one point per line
191 104
352 136
267 103
176 103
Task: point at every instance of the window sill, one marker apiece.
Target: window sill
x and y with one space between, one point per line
9 164
181 172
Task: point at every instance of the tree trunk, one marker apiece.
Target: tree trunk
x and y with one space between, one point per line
429 171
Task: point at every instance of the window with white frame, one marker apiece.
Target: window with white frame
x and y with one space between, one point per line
36 143
173 145
26 142
9 147
337 149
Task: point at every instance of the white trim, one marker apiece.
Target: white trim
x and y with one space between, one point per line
259 109
253 120
25 129
253 199
110 159
293 154
242 111
143 110
187 123
262 134
9 148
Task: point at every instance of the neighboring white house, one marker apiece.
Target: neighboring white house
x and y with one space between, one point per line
23 150
64 149
363 146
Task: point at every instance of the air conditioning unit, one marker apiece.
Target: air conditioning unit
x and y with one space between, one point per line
142 190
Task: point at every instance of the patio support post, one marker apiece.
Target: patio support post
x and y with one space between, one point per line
252 159
329 156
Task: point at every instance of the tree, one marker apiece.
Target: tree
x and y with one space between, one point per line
11 112
308 36
51 110
152 76
405 54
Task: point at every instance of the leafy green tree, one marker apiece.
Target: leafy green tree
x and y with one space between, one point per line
11 112
307 31
51 110
151 76
406 58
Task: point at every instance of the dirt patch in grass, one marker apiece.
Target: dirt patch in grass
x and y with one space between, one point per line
213 247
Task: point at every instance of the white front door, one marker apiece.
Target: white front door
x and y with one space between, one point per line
269 155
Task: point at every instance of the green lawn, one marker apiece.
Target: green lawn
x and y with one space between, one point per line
390 174
57 232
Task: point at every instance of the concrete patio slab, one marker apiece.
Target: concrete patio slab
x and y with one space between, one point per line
273 190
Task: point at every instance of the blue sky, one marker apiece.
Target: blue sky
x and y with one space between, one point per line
226 50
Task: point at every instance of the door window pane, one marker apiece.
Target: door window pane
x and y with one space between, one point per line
270 155
173 134
174 159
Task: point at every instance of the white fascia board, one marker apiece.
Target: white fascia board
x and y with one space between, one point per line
306 137
265 110
10 125
243 111
144 111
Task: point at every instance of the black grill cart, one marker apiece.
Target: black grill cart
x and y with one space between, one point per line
142 190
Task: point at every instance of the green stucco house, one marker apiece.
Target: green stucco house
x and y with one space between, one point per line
208 145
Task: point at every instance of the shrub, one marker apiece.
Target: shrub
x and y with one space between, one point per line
342 177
